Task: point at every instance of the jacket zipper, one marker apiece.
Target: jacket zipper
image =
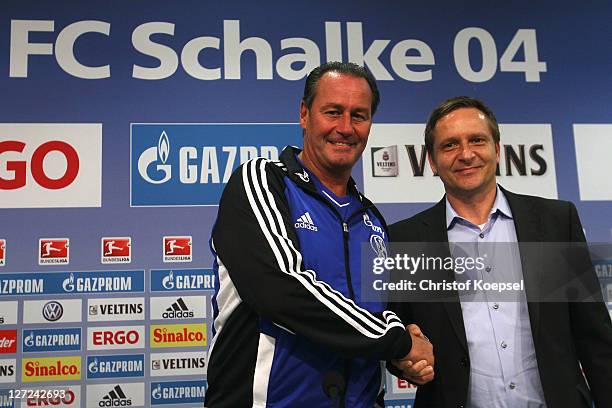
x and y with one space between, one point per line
349 280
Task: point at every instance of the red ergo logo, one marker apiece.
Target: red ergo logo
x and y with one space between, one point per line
19 168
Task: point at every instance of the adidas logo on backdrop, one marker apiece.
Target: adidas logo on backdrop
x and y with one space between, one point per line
178 310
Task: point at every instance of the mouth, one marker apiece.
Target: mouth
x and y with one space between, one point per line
341 144
467 170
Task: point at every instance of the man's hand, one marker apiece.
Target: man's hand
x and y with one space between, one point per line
422 371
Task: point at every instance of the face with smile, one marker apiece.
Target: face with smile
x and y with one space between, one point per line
336 126
465 156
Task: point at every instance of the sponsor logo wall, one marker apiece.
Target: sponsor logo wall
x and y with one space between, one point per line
121 133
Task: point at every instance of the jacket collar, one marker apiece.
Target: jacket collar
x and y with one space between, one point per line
304 177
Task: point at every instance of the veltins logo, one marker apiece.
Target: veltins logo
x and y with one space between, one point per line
177 249
115 366
49 340
164 280
189 164
50 165
526 165
51 369
52 311
182 363
111 338
8 370
2 252
116 250
178 392
178 335
115 309
53 251
56 396
8 341
115 395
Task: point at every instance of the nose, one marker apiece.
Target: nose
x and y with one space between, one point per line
345 125
466 153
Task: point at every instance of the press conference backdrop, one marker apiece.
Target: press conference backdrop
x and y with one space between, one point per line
120 123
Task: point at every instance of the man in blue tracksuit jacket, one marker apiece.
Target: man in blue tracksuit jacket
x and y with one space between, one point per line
290 328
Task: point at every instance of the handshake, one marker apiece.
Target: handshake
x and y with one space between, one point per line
417 366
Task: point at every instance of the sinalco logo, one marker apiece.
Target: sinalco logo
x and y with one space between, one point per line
53 311
51 369
178 335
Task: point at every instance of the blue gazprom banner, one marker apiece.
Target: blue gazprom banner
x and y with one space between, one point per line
189 164
51 340
36 283
168 280
115 366
122 125
178 392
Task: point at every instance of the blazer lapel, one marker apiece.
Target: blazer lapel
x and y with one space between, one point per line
528 229
437 232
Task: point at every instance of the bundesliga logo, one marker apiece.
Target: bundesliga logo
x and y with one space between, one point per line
2 252
177 249
116 250
53 251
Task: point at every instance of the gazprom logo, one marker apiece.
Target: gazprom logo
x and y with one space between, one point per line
68 283
178 392
189 164
168 281
115 366
163 280
157 154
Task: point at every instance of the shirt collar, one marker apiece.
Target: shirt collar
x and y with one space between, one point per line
500 206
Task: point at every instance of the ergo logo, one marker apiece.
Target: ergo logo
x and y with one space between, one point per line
119 337
37 169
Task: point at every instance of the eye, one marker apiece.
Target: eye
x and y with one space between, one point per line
360 117
333 112
448 145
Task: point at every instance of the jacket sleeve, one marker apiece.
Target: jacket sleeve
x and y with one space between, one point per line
258 253
592 330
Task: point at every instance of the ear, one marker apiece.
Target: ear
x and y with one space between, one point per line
303 114
432 164
497 150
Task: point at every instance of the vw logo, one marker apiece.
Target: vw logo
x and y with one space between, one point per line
53 311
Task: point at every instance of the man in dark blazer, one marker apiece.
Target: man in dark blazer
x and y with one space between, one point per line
482 360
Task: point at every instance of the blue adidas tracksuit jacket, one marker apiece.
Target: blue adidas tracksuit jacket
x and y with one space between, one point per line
290 329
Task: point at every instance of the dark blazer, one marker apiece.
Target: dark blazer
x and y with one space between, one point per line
564 334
